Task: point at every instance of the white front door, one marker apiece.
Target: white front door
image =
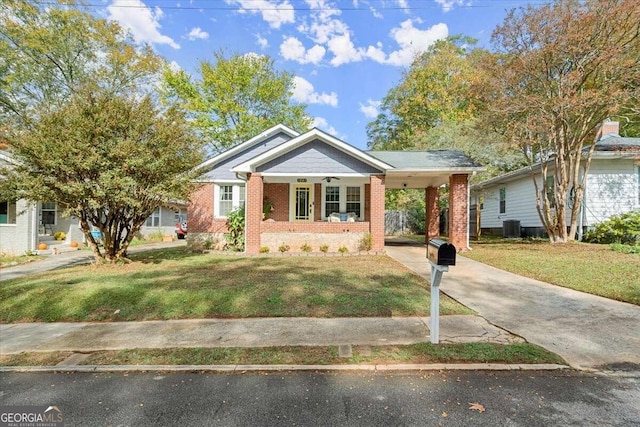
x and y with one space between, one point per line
302 202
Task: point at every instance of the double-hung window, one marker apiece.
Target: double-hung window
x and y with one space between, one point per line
343 199
503 200
154 219
7 213
228 197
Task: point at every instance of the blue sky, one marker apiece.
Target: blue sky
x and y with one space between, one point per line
345 54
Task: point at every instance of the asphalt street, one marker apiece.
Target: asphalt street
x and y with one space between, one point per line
463 398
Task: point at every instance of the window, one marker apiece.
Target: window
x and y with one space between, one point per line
154 219
503 200
353 200
331 200
48 213
343 199
4 212
229 197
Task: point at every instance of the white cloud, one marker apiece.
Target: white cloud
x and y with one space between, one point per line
413 41
447 5
144 23
371 110
174 66
292 49
262 42
274 13
196 33
343 50
321 123
304 91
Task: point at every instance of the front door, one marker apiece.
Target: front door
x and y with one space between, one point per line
302 202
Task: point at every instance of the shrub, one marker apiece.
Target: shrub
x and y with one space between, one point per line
324 248
59 235
235 225
343 249
264 249
625 249
305 248
416 218
366 243
207 244
155 236
624 229
284 248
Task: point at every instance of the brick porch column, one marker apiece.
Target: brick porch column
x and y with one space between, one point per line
432 218
458 211
376 222
253 214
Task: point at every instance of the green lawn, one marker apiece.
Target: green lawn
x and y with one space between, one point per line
415 353
176 284
591 268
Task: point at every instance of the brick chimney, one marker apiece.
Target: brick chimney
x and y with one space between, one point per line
607 127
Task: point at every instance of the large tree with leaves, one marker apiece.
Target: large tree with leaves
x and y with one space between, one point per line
435 106
109 160
47 52
561 69
79 117
235 98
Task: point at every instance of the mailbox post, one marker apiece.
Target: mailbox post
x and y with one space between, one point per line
441 255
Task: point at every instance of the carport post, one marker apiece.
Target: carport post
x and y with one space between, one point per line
436 276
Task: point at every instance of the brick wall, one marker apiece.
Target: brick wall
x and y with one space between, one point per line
432 222
278 194
253 213
458 216
200 212
377 211
367 202
317 202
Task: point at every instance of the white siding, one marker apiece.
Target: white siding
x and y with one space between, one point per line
520 204
612 189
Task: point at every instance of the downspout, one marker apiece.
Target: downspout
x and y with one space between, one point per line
243 176
581 215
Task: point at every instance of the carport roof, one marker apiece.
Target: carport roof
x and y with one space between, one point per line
435 160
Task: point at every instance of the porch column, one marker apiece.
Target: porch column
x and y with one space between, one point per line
376 224
432 218
253 214
458 211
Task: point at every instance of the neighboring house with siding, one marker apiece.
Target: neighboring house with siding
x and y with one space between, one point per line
25 224
612 188
312 188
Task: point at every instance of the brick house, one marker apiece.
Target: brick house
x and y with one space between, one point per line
314 189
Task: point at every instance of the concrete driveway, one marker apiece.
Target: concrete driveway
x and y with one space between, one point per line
588 331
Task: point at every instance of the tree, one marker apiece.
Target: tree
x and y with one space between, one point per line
110 160
47 52
77 112
236 98
562 69
435 90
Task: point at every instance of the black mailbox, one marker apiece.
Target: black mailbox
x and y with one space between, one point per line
440 252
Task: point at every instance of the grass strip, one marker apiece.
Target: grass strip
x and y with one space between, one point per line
522 353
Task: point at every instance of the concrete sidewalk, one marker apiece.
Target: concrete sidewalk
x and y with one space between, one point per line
258 332
586 330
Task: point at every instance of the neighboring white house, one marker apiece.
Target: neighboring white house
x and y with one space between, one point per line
25 224
612 188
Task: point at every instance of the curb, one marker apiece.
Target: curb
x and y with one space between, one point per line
283 368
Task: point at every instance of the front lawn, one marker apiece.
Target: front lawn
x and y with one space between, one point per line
175 284
591 268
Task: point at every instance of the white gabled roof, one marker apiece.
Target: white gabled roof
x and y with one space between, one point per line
300 140
280 128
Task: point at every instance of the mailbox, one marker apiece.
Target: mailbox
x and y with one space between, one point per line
440 252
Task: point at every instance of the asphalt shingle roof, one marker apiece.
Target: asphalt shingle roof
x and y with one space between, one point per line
427 160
